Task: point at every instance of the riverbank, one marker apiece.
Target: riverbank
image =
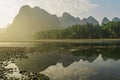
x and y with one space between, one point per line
69 40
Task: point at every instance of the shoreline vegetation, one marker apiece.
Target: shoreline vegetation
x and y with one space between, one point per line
109 30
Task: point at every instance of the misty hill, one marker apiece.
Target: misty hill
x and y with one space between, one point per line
105 20
84 21
90 20
68 20
31 20
116 19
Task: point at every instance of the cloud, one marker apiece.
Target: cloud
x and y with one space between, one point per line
74 7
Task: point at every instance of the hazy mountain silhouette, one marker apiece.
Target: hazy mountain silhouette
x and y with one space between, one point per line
105 20
31 20
84 21
68 20
90 20
116 19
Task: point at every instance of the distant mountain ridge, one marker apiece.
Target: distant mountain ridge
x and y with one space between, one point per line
116 19
90 20
68 20
30 20
105 20
39 18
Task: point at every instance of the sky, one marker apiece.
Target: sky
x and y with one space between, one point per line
77 8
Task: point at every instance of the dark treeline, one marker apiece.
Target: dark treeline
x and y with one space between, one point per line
86 31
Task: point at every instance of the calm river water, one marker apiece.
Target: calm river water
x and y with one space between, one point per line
65 61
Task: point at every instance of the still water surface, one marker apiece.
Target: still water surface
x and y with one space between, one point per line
67 61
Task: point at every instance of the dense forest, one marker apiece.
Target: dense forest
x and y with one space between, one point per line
86 31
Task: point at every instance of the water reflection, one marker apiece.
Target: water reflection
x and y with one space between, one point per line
66 61
84 70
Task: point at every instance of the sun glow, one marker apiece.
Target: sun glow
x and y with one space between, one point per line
8 10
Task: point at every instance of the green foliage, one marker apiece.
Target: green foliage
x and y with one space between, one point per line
87 31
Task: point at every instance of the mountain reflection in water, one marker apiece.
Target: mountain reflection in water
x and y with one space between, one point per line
84 70
67 61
